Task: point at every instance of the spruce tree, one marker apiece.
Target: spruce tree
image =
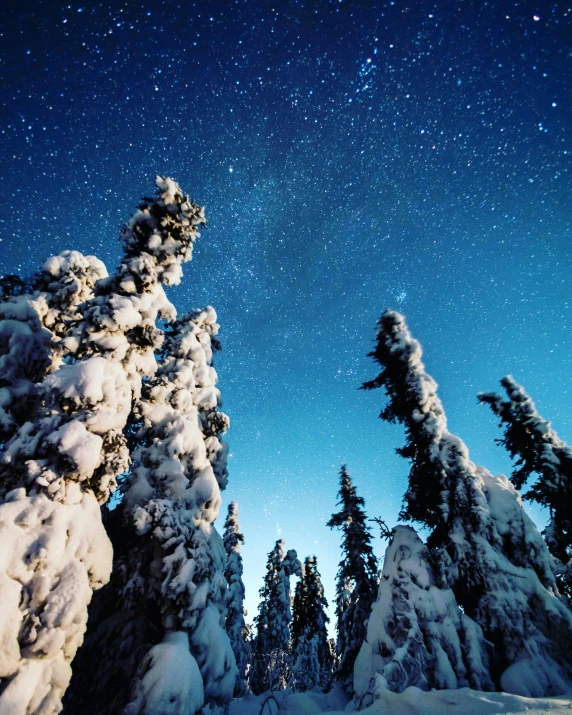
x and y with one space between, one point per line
62 462
484 546
168 586
309 631
271 661
537 449
417 634
235 623
356 583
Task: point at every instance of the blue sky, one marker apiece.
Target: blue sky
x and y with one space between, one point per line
352 156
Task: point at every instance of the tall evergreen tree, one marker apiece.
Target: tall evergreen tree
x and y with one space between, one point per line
538 450
485 547
168 586
356 583
309 630
235 623
271 664
61 464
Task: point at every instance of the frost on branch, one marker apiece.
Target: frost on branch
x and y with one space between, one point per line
485 547
417 634
271 666
62 462
539 450
235 623
169 571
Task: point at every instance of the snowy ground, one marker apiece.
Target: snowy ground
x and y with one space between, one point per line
411 702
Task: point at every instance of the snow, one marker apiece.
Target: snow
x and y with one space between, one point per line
82 447
213 651
171 683
52 556
411 701
416 633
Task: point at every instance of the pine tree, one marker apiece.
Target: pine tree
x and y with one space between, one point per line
485 547
168 585
60 465
538 450
309 631
271 664
417 634
235 623
356 583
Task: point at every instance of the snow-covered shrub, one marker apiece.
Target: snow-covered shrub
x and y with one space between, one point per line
235 623
416 633
62 463
271 656
539 450
356 582
485 547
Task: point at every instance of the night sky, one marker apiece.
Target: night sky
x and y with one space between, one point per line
352 157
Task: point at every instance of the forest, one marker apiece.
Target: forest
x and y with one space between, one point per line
119 594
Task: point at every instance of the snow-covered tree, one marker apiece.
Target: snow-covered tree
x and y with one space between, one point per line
235 623
538 450
271 665
60 465
485 547
309 630
356 583
416 633
306 671
168 586
35 318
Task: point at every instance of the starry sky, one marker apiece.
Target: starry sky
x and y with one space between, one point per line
352 155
